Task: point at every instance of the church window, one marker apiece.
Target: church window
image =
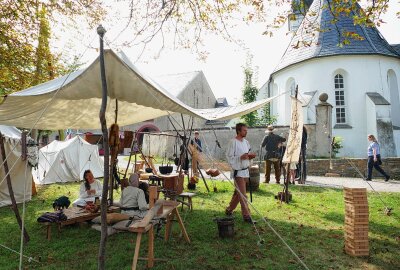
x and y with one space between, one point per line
293 88
340 100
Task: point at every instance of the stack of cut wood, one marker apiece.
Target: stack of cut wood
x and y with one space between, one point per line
356 221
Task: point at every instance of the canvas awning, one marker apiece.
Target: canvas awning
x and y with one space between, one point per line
74 100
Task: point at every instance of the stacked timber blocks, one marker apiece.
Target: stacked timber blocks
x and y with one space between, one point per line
356 221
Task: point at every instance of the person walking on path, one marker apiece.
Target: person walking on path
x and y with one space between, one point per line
374 158
239 156
271 143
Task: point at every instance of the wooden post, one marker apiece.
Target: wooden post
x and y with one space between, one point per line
152 195
150 256
102 115
137 248
10 189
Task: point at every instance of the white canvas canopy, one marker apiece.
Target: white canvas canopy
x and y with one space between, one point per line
65 161
20 182
73 101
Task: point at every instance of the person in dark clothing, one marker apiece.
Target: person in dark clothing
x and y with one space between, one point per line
282 150
271 142
198 141
302 166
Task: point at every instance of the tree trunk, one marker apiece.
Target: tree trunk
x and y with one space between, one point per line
10 189
102 249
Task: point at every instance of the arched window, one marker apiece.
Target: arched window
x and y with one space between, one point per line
340 99
293 88
394 97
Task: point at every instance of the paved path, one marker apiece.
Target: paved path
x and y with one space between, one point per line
340 182
331 182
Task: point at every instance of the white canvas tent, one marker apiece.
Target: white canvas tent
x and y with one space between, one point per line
20 182
65 161
74 100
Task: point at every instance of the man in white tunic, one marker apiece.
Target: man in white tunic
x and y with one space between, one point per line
239 159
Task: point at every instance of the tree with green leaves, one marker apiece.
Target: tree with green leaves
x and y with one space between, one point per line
25 55
265 117
249 93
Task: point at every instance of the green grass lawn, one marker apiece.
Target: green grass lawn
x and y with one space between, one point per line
312 225
158 160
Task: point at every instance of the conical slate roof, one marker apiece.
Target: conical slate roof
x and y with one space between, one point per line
325 43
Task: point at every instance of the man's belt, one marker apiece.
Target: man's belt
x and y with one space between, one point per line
236 171
129 208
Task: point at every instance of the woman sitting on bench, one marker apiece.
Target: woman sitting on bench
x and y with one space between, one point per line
89 190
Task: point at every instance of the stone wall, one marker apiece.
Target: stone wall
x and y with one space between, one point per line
319 167
342 167
254 136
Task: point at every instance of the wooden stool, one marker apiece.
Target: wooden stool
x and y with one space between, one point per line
189 196
169 211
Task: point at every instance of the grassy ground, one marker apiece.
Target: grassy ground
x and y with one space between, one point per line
158 160
312 225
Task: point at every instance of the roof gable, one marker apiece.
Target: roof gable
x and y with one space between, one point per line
176 83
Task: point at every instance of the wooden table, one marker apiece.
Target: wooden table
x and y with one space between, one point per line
169 211
75 215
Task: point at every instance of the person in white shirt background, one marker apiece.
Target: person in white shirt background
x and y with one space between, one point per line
89 190
239 156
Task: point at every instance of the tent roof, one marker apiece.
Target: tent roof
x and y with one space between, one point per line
56 146
11 132
74 100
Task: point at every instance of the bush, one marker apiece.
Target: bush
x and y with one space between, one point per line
337 144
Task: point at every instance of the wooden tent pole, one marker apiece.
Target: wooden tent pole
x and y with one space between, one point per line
114 155
10 189
102 115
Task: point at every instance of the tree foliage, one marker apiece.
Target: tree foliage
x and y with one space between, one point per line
265 117
25 55
190 21
249 93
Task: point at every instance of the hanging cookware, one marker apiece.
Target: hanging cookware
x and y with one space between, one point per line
165 169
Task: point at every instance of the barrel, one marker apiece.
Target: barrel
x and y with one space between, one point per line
226 227
254 181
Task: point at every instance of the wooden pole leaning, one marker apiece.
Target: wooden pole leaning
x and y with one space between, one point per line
102 115
10 189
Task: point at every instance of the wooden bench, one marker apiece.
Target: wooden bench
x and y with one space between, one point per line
169 211
189 196
75 215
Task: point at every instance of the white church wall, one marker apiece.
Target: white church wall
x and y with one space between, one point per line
362 74
370 117
396 134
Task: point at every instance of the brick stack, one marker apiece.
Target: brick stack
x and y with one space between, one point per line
356 221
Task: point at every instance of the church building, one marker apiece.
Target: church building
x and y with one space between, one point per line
361 79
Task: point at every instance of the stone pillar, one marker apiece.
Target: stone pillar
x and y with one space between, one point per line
323 127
